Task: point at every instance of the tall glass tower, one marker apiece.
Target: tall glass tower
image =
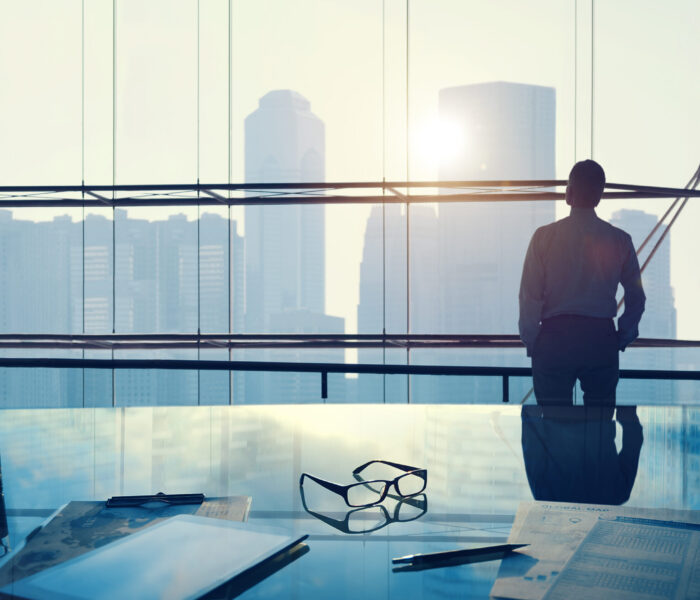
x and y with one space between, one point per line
508 130
285 246
659 318
509 134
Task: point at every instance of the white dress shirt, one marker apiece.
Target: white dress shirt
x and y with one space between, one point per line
573 267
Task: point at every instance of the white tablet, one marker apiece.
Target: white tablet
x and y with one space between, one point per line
180 558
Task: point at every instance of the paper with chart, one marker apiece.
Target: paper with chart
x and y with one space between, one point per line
627 558
554 531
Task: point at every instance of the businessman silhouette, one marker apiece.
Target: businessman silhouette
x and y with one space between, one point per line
567 297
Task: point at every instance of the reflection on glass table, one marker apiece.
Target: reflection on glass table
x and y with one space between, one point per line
483 461
4 530
371 518
570 453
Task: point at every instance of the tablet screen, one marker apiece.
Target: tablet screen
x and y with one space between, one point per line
182 557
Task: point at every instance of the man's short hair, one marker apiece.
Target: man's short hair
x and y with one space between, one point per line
586 182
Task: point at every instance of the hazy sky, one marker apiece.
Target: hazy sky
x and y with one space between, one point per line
349 59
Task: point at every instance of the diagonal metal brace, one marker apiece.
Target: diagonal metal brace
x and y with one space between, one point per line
399 194
106 201
216 196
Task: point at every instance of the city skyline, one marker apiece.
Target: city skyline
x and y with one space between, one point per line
164 100
171 274
141 309
233 246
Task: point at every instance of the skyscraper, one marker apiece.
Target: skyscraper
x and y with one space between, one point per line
659 318
509 134
383 293
162 284
285 245
465 262
48 301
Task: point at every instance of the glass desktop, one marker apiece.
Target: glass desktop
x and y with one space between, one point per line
481 461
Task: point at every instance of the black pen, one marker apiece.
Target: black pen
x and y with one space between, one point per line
134 501
463 556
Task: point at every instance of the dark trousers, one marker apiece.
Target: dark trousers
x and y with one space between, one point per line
571 347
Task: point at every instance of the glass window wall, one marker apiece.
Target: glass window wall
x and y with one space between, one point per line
240 91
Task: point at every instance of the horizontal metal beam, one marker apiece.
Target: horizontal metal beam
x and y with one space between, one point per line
308 200
299 193
266 366
321 185
259 336
262 345
302 185
306 367
19 202
282 341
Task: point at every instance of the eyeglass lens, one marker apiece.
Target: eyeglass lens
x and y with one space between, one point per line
410 484
369 492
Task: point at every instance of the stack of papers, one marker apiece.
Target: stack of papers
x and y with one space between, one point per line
631 558
577 542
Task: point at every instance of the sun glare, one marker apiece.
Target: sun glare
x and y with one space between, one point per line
439 141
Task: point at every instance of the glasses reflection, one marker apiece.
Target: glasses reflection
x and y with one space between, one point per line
371 518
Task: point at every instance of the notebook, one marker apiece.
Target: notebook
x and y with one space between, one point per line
178 559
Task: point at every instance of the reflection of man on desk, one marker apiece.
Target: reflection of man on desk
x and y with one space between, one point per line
570 453
571 273
4 530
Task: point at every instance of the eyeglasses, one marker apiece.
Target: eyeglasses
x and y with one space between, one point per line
367 493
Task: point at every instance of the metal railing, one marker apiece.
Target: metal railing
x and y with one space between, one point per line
302 193
505 373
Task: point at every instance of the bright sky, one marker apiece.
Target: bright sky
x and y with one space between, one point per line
349 60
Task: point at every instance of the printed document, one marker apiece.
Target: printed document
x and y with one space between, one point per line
554 531
631 558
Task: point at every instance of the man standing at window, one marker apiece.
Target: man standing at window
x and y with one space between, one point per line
567 297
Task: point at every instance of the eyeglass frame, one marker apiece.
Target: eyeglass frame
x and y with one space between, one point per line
342 490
